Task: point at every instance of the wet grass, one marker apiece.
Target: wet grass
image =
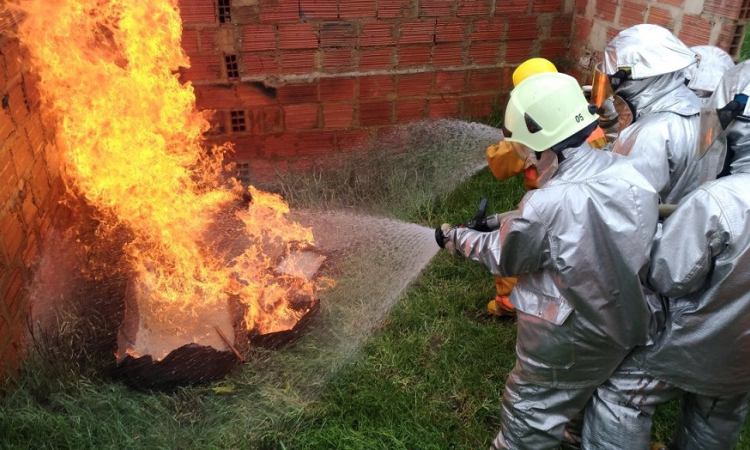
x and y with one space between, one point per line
430 377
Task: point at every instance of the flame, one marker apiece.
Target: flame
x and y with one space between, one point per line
130 140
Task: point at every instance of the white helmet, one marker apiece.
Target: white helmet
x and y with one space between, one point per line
646 50
545 110
712 63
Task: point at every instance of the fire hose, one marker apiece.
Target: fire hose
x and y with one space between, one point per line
666 210
481 222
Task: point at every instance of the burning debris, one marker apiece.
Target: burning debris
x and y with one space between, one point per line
152 350
130 143
155 350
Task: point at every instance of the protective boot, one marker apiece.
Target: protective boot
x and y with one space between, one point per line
500 306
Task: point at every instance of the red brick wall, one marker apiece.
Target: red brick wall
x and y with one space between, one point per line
695 22
30 189
317 76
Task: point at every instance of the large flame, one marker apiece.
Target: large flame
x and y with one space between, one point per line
130 141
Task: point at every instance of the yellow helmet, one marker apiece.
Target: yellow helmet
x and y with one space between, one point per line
531 67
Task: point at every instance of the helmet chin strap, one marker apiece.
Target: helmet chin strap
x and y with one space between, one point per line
574 141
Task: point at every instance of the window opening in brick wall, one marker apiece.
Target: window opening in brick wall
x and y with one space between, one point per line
233 68
745 10
225 11
243 172
239 122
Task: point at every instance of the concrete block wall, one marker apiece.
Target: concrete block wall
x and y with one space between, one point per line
30 190
291 80
695 22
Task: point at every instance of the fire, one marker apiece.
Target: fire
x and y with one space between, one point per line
130 140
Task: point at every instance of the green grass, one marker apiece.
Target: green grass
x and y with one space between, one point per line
745 48
430 376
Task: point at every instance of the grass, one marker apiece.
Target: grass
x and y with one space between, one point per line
745 48
429 377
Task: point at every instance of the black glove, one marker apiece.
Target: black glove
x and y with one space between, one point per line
729 112
482 225
445 237
440 237
479 223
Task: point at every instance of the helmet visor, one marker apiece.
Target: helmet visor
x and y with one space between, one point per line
601 89
524 153
545 162
710 130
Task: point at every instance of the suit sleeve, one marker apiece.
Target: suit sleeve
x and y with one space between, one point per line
682 258
519 246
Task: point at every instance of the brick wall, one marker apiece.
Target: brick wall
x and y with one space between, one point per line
695 22
293 79
30 189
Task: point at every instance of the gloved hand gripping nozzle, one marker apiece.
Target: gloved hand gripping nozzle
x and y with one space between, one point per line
440 237
478 223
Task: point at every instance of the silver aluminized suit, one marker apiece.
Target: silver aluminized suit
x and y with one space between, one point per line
702 262
663 137
580 246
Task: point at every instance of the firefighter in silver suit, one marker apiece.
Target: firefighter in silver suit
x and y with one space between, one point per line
645 65
702 263
579 245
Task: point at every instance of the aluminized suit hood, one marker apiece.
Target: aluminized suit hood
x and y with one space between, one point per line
662 141
648 50
663 93
712 65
